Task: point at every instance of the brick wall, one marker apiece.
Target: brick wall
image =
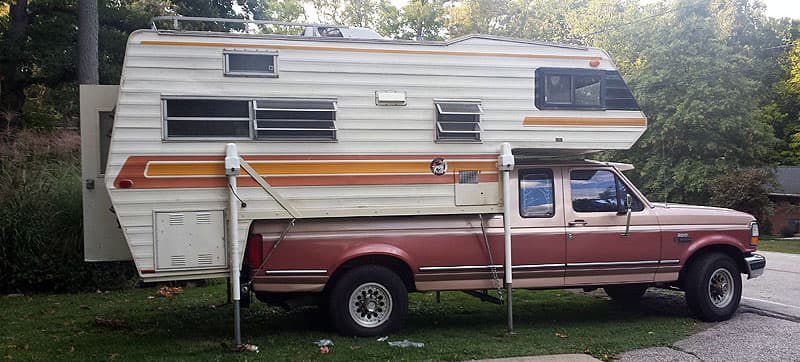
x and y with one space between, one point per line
787 211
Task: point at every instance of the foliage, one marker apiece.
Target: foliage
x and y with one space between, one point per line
40 218
744 190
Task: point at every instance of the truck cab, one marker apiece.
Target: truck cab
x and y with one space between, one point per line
578 224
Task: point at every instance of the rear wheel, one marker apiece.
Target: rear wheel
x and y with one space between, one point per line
368 301
626 294
713 287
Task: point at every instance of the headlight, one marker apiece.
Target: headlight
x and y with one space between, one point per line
753 233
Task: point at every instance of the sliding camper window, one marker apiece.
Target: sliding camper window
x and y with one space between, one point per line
295 119
458 121
582 89
206 118
251 63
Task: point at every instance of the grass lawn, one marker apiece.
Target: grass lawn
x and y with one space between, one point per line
769 243
188 327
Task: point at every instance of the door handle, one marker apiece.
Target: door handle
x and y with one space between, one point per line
578 223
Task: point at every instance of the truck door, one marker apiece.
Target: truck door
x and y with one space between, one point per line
102 237
538 248
598 251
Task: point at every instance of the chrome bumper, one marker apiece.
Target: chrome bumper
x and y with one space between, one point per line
755 265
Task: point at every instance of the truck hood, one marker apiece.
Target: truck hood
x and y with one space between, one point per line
681 214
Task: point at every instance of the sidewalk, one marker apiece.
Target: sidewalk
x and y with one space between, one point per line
548 358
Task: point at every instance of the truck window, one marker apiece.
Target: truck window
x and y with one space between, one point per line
206 118
599 191
536 193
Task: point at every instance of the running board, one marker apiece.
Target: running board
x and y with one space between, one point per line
484 296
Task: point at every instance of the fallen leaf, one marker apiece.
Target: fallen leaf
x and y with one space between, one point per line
71 349
651 332
68 323
561 335
353 348
109 323
84 306
168 292
114 356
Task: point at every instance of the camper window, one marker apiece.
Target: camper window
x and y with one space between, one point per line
292 119
458 121
251 63
206 118
569 88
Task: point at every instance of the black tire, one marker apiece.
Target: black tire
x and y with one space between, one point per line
381 299
704 295
629 294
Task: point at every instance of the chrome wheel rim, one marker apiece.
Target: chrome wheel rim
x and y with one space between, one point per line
370 305
720 288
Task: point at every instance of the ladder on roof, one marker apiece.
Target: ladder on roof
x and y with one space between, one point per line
176 20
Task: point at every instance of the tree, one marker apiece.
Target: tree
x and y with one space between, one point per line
87 42
13 70
703 111
422 20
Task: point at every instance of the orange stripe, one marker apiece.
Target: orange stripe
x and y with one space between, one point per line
580 121
366 50
314 168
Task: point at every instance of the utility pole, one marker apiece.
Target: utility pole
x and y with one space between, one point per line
88 25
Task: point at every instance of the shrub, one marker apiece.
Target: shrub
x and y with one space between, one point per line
41 234
744 190
787 231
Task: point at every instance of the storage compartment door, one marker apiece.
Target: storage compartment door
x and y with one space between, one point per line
190 240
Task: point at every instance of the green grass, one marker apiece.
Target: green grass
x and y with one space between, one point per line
769 243
189 327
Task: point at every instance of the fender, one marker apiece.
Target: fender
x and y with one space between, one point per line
372 249
709 240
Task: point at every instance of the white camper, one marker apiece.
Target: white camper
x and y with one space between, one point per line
326 126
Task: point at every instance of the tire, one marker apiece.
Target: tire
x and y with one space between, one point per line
629 294
713 287
368 300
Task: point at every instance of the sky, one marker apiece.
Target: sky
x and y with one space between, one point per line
775 8
783 8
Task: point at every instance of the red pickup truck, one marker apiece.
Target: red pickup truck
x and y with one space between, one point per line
578 224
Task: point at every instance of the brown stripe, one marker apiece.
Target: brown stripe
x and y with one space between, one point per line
433 277
365 50
581 121
289 279
609 271
134 169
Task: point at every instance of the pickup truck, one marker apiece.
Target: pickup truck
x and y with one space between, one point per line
577 224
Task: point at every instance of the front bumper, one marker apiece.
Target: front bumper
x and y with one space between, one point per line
756 264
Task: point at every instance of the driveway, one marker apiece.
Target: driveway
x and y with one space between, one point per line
778 290
766 328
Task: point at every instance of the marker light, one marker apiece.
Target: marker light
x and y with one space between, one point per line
594 63
125 183
753 233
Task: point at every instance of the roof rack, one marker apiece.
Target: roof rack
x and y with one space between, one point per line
177 19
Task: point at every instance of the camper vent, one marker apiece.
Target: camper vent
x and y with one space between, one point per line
177 260
187 240
292 119
203 218
458 121
250 63
176 219
468 177
205 259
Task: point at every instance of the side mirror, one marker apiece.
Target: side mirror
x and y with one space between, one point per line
628 202
625 208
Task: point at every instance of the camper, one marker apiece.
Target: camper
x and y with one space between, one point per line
345 169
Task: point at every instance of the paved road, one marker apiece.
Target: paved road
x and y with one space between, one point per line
778 290
766 328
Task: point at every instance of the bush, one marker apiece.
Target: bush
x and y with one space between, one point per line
787 231
744 190
41 233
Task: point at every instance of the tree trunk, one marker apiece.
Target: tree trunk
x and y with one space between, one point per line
87 42
13 87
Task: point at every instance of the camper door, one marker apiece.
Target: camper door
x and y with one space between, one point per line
102 237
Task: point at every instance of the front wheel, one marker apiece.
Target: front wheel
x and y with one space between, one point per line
368 301
713 287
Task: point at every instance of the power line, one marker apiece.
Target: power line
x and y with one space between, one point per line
643 19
